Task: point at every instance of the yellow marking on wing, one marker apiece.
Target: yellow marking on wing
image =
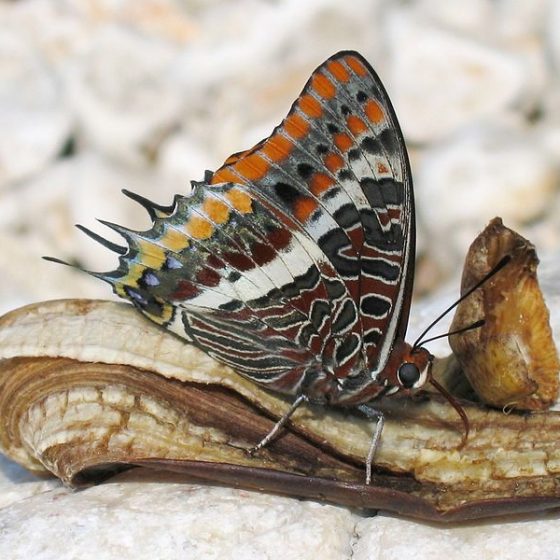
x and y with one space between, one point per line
134 273
216 210
199 227
152 255
166 313
174 240
240 200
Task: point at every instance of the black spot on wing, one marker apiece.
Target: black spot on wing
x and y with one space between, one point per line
375 306
373 337
345 318
286 192
381 269
381 192
347 348
305 170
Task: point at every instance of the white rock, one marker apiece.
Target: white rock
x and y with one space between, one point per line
34 122
516 539
440 81
17 484
164 19
243 73
181 160
482 172
552 38
506 19
146 516
124 94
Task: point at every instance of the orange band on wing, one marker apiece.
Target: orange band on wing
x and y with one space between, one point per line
224 175
343 141
320 182
355 125
356 65
333 162
374 111
310 106
252 167
304 207
323 86
199 228
296 126
338 71
277 147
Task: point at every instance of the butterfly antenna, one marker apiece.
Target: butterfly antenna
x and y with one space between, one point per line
501 263
475 325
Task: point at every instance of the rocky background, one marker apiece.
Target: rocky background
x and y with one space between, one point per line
100 95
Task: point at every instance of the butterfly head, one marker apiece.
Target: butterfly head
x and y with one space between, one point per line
414 370
408 370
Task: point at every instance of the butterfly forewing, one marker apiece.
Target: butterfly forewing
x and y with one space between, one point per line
291 263
337 164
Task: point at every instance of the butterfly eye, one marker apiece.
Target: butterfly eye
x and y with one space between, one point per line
408 375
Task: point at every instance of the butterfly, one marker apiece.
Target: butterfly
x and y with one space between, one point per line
293 263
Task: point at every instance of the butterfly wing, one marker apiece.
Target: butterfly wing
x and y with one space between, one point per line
338 165
291 262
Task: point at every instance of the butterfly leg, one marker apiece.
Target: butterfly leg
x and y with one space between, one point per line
376 415
280 424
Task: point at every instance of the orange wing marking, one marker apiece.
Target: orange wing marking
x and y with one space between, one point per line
343 141
356 65
310 106
304 207
333 162
338 71
374 111
320 182
323 86
277 148
252 167
355 125
296 126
